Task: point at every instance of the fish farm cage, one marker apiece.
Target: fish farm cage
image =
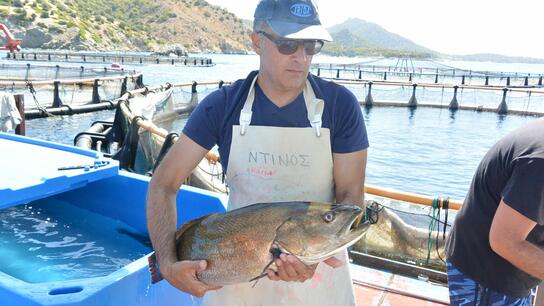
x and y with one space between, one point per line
424 72
146 117
63 90
109 57
503 100
412 83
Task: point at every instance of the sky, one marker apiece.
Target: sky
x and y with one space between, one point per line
514 28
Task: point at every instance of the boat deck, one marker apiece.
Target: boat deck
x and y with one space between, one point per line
374 288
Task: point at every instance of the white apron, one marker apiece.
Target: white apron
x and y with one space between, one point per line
276 164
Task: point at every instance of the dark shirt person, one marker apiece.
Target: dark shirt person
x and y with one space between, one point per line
495 250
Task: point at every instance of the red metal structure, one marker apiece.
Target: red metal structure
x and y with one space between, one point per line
12 44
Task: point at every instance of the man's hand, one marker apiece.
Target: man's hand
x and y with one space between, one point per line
182 275
290 269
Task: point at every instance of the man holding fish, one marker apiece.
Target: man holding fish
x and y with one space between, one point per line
283 135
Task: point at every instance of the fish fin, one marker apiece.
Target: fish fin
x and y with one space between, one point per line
188 224
156 275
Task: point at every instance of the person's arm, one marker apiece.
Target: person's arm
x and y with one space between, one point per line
176 166
349 177
507 237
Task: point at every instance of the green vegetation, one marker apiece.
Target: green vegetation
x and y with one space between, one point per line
96 38
341 50
82 33
127 24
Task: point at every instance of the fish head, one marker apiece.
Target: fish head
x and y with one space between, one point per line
320 231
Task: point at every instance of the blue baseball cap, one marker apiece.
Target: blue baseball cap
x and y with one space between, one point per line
294 19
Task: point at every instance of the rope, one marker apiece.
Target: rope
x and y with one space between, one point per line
372 213
374 208
63 90
438 237
435 211
413 213
210 173
445 207
73 93
38 105
528 101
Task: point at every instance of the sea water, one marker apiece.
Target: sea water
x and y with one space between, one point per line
431 151
50 240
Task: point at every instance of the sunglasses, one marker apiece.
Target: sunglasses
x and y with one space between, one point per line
290 46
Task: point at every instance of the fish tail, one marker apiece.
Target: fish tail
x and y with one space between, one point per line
156 275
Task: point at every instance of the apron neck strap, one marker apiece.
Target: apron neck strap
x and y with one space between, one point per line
314 108
245 115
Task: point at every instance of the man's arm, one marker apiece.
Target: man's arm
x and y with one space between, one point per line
349 177
176 166
507 237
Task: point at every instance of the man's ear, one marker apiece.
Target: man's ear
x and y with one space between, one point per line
256 42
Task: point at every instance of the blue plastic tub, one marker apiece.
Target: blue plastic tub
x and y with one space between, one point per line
115 194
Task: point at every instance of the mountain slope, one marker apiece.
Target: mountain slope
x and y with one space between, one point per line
125 25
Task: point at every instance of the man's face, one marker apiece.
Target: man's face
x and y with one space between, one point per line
286 72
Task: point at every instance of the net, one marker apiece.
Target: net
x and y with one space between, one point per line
52 86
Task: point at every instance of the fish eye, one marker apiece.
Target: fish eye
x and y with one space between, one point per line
328 217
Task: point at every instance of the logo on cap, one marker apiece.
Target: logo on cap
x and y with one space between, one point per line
301 10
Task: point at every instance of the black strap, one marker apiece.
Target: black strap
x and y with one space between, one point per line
446 208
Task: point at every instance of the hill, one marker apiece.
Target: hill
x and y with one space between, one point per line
139 25
359 37
497 58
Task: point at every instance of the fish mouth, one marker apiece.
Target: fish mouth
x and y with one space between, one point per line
355 223
354 228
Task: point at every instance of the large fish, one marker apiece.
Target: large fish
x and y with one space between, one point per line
240 245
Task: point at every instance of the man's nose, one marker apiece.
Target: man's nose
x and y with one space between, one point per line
301 52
